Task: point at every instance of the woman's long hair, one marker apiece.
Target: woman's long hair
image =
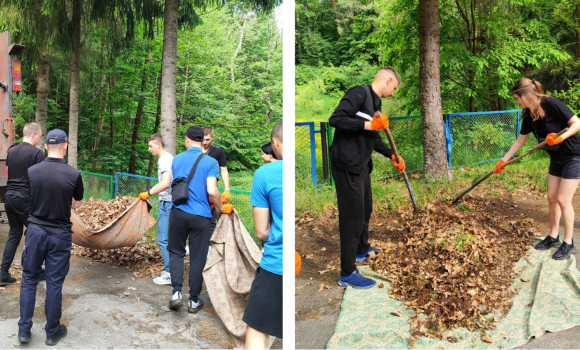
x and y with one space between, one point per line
531 93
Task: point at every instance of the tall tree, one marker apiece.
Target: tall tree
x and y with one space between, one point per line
73 126
169 76
435 157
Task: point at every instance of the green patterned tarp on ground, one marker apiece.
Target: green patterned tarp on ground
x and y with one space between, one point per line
366 320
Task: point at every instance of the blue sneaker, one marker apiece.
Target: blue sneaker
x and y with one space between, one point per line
365 256
356 280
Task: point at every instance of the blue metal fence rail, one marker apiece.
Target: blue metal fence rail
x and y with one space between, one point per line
471 138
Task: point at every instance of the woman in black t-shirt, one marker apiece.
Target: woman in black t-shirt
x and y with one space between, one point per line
546 116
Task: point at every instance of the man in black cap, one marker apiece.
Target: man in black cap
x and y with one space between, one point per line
20 157
55 187
193 218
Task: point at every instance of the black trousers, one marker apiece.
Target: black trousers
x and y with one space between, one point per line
17 211
181 226
41 247
355 206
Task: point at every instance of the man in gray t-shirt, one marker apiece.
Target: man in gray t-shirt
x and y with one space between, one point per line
163 189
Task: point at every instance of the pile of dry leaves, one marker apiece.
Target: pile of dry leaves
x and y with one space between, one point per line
143 258
454 265
96 213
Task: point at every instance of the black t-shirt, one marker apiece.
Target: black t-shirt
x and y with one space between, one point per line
557 115
20 158
53 185
217 154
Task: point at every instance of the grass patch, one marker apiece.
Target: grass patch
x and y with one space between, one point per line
530 173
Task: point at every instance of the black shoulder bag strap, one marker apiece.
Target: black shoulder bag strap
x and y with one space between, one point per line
194 167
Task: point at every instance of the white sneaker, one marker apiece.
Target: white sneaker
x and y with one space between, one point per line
175 302
164 278
186 250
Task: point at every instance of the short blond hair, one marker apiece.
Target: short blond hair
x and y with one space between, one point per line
31 128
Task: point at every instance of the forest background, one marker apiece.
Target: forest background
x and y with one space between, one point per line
485 47
229 77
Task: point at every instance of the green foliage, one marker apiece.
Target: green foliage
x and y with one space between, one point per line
241 110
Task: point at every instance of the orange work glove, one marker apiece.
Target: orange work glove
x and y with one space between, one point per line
226 196
553 139
380 121
227 209
497 168
297 263
399 165
144 196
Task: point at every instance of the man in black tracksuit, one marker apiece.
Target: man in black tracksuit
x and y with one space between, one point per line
20 157
357 120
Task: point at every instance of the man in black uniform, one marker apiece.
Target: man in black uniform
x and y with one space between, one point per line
55 187
20 157
219 155
357 119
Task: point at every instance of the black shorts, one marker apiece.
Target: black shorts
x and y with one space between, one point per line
264 308
568 169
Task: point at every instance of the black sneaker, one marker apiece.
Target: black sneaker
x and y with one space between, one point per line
24 337
61 333
564 251
6 279
193 307
548 243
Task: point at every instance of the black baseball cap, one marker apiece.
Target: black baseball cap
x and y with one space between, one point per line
56 136
194 133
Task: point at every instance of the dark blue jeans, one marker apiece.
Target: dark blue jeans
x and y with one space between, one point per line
40 247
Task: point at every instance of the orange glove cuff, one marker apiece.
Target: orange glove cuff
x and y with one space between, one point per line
498 168
380 123
227 209
553 139
144 196
226 196
399 165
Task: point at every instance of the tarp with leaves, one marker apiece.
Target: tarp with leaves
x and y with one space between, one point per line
547 299
125 230
229 273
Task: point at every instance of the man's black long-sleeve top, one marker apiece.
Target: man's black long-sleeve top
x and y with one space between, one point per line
352 145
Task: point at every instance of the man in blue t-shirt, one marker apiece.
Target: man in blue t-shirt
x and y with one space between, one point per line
193 218
263 313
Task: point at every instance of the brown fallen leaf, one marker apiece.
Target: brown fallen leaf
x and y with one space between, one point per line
131 288
486 339
382 285
320 287
322 272
296 312
395 314
328 287
10 335
525 279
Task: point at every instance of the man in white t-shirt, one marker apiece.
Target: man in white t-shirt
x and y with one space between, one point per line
163 188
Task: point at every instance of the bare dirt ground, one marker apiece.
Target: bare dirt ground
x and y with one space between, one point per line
318 296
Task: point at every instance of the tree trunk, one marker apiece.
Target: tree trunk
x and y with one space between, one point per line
435 156
168 77
138 117
185 86
101 110
156 128
42 96
73 124
112 114
238 48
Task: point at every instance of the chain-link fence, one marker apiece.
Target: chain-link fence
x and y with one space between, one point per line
132 185
472 138
97 186
481 136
